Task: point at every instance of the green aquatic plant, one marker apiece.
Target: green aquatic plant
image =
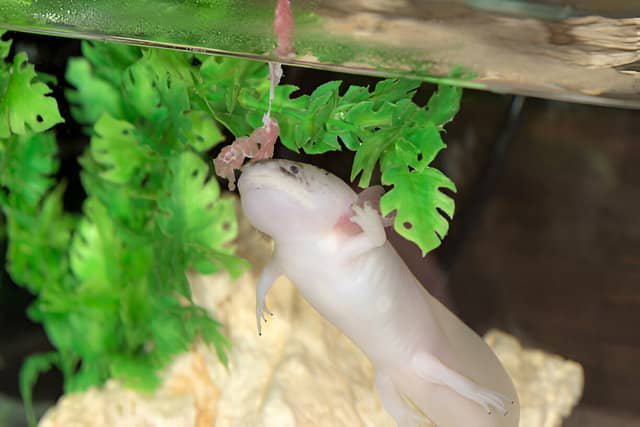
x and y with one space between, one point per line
112 292
384 127
110 284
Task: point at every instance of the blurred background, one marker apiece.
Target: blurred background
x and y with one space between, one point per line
545 243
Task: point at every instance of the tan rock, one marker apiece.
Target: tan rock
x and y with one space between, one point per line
300 372
549 386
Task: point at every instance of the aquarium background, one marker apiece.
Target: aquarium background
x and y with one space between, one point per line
545 243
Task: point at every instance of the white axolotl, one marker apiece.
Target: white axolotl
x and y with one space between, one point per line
431 369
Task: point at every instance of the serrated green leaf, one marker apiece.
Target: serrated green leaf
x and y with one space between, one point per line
112 293
24 105
159 103
136 372
394 90
171 65
94 96
208 261
356 94
132 206
365 115
367 157
193 211
95 244
222 80
110 60
444 105
141 94
209 330
190 199
38 242
419 203
418 147
116 147
27 166
92 371
31 369
202 133
5 46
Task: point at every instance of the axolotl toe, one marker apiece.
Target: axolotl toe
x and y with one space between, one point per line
431 369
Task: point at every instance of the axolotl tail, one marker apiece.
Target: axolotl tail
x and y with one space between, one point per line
461 384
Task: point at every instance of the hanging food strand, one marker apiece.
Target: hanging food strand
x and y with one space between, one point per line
275 74
261 143
283 27
257 146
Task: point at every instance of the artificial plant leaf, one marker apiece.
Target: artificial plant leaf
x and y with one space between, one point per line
31 369
209 330
367 157
169 334
208 261
92 371
132 206
193 211
37 247
96 248
5 46
111 268
419 203
136 371
28 164
290 113
367 115
203 133
93 96
322 103
170 65
140 288
141 95
158 104
418 147
116 148
190 199
107 262
110 60
317 123
222 79
25 105
394 90
444 105
220 82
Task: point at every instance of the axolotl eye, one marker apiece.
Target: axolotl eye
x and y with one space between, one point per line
291 170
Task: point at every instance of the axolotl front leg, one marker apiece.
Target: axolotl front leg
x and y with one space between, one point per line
268 277
371 236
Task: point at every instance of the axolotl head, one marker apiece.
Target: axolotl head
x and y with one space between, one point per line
285 199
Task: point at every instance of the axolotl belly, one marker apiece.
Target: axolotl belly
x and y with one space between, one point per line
431 369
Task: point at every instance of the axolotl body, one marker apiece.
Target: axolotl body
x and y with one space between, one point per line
431 369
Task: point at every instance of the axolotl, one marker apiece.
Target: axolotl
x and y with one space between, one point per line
430 368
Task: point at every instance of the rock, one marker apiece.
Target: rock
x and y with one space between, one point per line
300 372
548 386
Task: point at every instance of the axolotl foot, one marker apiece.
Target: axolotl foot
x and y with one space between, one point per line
427 368
431 369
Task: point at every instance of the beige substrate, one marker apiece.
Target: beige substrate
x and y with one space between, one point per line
300 372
